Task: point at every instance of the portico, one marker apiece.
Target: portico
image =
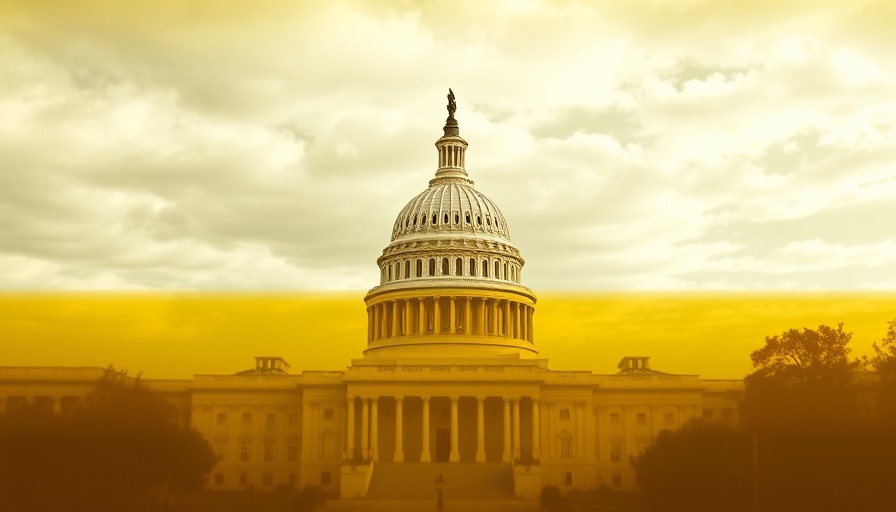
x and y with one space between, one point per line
442 428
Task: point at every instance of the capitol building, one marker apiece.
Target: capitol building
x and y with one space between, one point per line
450 381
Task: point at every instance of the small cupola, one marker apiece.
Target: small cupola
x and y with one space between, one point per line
634 364
451 147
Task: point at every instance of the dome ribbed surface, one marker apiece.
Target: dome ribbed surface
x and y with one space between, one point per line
456 207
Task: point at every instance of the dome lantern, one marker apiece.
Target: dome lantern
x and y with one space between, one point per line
451 147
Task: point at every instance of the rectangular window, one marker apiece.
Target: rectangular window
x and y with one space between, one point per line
564 414
244 478
567 478
325 478
222 418
247 418
220 450
566 448
219 479
669 419
328 414
267 479
615 451
292 453
617 480
268 451
614 418
641 418
271 420
244 452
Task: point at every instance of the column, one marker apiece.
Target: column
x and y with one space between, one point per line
529 328
350 428
425 456
481 320
525 320
516 428
536 431
307 434
421 319
452 320
436 316
580 429
399 435
384 320
365 428
480 429
374 429
406 306
508 327
369 326
506 456
455 454
494 326
468 315
374 323
395 320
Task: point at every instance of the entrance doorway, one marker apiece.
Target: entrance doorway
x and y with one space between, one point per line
443 444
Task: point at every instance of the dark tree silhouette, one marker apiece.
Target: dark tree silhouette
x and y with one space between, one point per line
120 451
816 449
699 467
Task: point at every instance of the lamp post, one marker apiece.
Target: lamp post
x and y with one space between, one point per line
440 488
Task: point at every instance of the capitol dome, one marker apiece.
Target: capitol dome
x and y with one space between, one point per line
452 206
450 278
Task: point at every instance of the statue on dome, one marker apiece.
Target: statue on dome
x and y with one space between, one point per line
452 106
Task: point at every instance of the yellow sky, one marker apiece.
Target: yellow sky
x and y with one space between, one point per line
178 335
259 146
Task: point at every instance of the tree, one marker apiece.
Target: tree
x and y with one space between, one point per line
700 467
801 379
815 451
119 451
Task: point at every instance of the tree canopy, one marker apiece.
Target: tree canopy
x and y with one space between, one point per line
121 450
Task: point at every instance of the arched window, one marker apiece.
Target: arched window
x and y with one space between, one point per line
407 268
432 266
444 266
488 220
484 268
419 268
456 218
415 219
434 216
478 220
397 270
467 217
505 271
497 267
459 267
446 218
472 267
390 272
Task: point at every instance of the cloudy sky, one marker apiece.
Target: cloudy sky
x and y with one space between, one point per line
681 145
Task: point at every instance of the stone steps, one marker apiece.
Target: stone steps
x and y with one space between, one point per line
418 505
464 481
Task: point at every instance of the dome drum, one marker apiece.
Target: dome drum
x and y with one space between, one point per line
450 265
444 318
